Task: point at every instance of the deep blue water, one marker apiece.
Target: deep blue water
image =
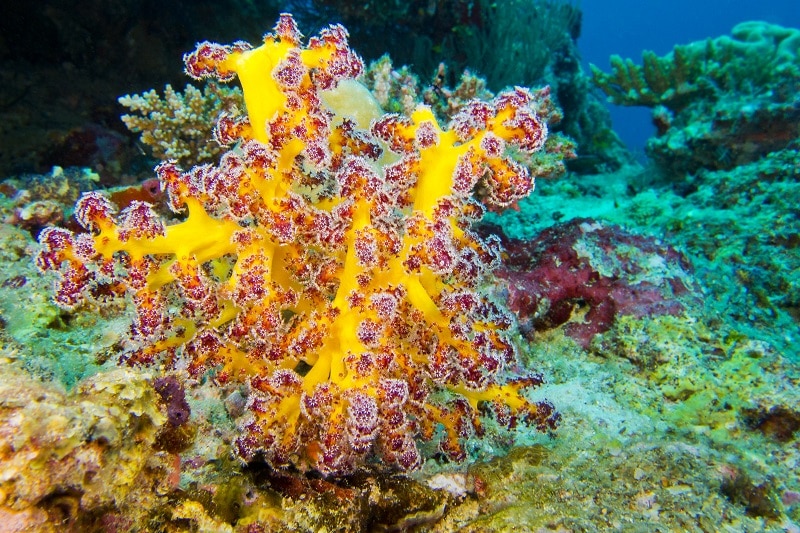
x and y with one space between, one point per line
626 27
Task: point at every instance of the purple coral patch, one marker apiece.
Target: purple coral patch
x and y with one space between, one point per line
174 398
584 273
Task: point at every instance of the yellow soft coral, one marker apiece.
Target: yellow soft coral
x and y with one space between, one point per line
327 262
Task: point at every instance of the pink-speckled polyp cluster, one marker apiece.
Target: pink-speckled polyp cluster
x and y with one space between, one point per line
329 267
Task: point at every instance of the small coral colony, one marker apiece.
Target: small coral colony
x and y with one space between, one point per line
327 262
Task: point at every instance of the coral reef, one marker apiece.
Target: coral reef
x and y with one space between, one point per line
718 381
94 460
448 102
656 435
745 242
329 267
728 390
397 91
505 43
34 201
717 103
755 56
30 321
739 227
179 126
527 43
65 456
585 274
673 367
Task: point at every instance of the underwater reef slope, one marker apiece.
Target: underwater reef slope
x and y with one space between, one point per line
311 330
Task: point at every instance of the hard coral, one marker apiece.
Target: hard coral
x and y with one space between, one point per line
327 262
717 103
178 126
588 267
757 54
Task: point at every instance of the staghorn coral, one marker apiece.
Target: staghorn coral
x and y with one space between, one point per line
327 262
718 103
178 126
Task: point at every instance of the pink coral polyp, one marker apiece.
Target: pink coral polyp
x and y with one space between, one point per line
327 268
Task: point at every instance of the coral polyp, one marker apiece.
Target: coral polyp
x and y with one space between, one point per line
327 262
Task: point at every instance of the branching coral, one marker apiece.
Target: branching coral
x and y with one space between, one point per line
718 103
327 262
756 55
178 126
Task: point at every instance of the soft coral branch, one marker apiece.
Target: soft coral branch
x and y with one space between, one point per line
329 267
